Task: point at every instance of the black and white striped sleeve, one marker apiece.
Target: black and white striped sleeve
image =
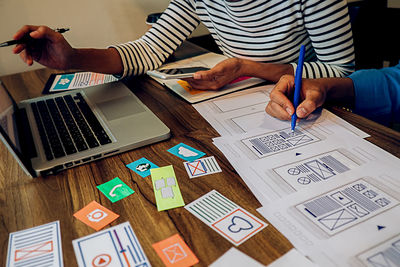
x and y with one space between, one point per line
328 26
149 52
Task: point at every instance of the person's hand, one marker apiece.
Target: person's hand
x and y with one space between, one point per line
313 94
47 47
215 78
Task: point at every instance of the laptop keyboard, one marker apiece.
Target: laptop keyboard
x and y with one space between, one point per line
67 125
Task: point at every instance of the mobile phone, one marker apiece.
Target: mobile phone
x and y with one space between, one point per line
175 73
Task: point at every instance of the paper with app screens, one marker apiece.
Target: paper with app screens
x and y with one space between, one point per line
36 246
226 217
115 246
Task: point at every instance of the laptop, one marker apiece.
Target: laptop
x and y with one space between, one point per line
51 133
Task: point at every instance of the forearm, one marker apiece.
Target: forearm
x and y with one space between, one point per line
267 71
340 91
97 60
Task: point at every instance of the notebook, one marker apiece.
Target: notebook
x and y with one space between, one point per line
51 133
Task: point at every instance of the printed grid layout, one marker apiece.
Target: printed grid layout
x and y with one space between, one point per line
384 254
315 169
279 141
342 208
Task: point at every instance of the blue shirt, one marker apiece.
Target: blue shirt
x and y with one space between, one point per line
377 94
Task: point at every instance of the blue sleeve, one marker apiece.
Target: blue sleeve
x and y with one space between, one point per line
377 94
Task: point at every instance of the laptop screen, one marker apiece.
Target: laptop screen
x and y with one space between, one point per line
8 122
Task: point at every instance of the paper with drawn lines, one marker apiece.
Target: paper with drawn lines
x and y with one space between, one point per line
226 217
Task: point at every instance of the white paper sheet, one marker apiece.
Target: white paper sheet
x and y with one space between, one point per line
243 111
235 258
352 220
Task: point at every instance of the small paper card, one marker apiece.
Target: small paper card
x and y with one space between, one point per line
203 166
186 152
36 246
115 190
142 166
166 189
226 217
95 215
174 252
115 246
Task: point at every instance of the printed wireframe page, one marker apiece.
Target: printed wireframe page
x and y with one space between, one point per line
276 163
346 221
243 111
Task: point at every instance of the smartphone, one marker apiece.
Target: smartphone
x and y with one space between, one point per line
175 73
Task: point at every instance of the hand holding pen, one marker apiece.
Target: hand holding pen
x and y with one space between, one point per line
297 85
43 45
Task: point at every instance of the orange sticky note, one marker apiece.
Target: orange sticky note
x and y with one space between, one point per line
95 215
173 251
185 85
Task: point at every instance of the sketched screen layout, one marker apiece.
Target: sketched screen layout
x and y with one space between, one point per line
315 169
346 206
279 141
385 254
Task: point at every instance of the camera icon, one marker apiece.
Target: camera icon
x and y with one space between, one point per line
96 215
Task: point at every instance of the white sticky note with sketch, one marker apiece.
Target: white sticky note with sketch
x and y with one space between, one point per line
226 217
201 167
37 246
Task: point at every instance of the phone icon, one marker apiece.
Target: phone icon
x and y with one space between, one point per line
112 194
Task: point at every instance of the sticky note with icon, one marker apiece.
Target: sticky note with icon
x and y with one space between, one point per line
115 189
95 215
186 152
166 189
174 252
142 166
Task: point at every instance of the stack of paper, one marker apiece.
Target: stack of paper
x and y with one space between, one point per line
334 195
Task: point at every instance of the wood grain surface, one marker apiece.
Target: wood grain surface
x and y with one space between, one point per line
27 202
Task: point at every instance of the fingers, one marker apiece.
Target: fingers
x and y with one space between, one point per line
279 105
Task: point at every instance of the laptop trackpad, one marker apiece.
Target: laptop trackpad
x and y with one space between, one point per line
120 107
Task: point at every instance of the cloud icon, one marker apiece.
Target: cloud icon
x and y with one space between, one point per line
186 152
239 224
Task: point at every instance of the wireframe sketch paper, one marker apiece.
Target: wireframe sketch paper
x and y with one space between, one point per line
346 221
201 167
115 246
208 60
277 163
40 245
226 217
235 258
243 111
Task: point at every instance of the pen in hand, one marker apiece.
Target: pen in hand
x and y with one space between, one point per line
27 38
297 85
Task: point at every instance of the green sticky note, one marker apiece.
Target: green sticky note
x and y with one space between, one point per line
115 189
166 188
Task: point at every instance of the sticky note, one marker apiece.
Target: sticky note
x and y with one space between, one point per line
186 152
95 215
142 166
115 189
166 188
174 252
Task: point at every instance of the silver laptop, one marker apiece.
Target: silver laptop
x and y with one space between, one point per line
51 133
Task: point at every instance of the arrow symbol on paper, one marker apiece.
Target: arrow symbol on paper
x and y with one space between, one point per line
380 227
298 154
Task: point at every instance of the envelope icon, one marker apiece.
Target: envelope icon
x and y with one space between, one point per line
174 253
337 219
33 251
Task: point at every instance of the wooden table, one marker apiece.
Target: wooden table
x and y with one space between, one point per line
27 202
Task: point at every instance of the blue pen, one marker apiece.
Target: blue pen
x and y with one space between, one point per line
297 85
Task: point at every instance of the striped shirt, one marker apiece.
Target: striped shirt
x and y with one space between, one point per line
259 30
